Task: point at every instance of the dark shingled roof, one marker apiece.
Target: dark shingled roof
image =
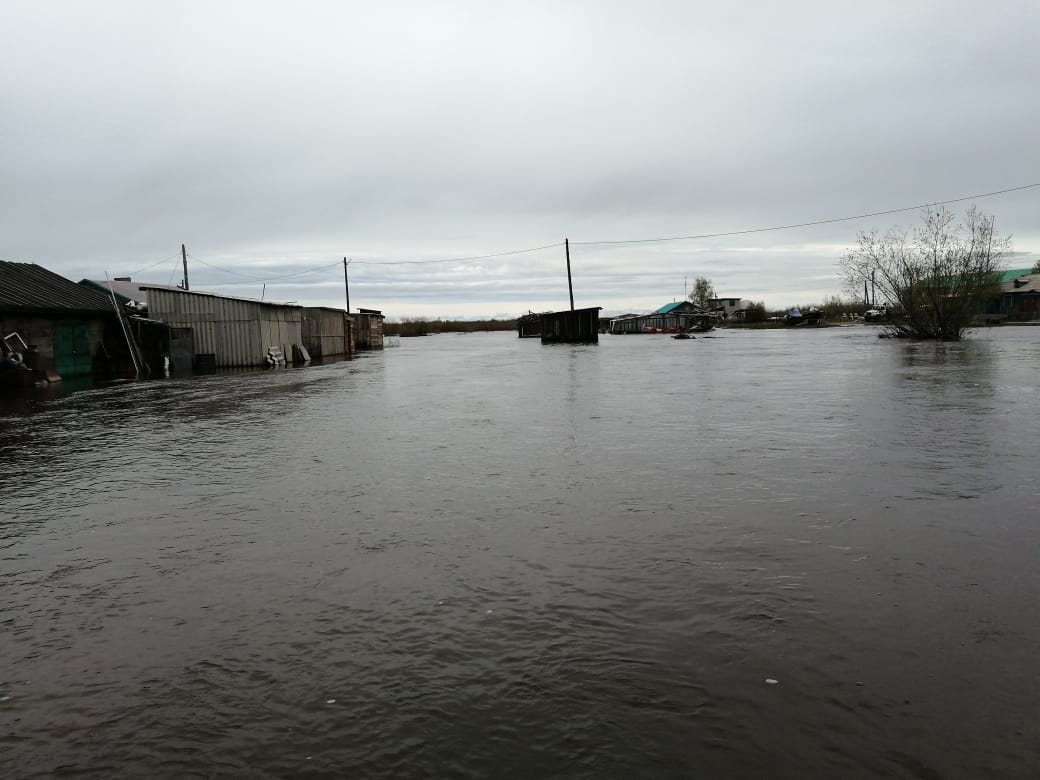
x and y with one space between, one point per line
28 287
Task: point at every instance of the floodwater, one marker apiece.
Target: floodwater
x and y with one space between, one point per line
781 554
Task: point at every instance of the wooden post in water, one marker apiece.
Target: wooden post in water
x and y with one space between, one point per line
570 287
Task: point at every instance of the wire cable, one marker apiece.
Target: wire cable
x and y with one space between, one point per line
149 267
495 255
459 259
254 280
806 224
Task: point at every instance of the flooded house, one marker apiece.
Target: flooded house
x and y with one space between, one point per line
1019 298
673 316
576 326
54 325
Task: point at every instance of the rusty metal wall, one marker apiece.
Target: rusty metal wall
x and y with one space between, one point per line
237 332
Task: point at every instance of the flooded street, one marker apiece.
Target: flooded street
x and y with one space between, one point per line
477 556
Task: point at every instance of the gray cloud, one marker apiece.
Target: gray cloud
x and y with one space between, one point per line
274 138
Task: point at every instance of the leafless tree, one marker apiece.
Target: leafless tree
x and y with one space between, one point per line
935 278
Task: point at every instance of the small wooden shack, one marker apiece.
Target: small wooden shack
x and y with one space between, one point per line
369 329
579 326
529 326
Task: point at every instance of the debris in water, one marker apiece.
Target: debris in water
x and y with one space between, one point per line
490 611
331 701
771 681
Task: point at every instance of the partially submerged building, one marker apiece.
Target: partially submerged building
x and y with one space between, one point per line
673 316
1019 298
56 324
369 328
577 326
529 326
241 332
328 332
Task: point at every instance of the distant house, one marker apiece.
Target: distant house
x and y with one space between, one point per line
1019 296
65 327
671 316
730 308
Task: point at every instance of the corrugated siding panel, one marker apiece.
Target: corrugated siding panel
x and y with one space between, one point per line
323 332
29 287
237 332
281 327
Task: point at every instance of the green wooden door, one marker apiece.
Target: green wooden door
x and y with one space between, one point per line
72 349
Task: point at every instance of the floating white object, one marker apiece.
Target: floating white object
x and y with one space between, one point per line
331 701
771 681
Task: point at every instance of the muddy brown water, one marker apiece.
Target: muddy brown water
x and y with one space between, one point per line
477 556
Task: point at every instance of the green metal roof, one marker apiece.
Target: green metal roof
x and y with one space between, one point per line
668 307
1007 276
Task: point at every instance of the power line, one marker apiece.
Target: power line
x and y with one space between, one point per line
253 280
459 259
158 262
269 279
808 224
494 255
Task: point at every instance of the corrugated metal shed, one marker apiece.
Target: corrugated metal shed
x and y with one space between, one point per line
325 331
27 287
237 331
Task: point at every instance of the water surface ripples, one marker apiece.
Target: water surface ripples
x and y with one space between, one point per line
479 556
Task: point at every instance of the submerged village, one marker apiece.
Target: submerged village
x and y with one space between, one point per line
52 328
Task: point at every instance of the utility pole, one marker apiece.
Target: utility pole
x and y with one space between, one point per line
184 258
570 287
346 282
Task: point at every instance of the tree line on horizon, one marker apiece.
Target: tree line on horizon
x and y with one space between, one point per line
932 280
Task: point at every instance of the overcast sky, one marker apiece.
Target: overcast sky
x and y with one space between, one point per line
276 138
